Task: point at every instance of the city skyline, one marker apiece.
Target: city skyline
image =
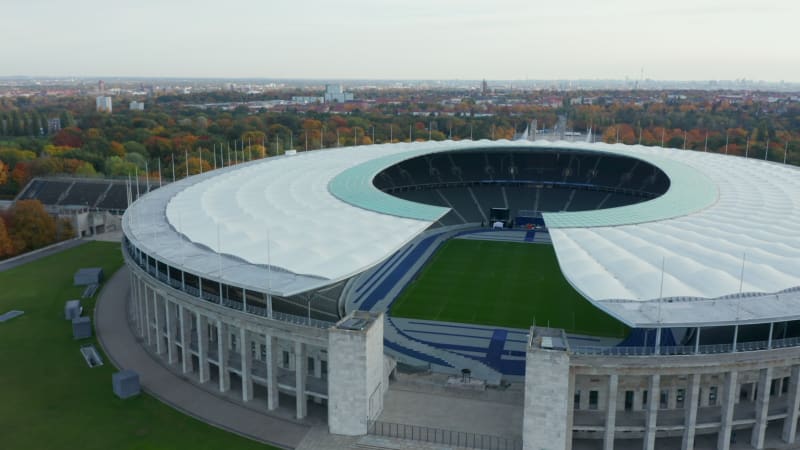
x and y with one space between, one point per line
511 40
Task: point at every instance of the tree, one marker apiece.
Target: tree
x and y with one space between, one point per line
69 137
117 167
3 173
30 226
64 229
21 174
6 244
85 170
194 166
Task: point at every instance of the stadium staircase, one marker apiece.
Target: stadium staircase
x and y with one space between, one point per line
414 352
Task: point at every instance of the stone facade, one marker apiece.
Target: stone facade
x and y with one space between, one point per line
547 375
237 351
730 397
357 371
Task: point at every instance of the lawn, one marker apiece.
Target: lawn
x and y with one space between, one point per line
501 283
50 399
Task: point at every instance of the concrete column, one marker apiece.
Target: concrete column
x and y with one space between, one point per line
571 409
611 412
317 372
271 359
247 365
185 322
705 401
148 316
672 398
134 296
300 370
651 417
762 408
792 405
317 365
637 400
169 319
142 306
202 348
779 387
223 346
583 401
728 405
158 314
690 403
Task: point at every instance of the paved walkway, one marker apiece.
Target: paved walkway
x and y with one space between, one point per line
126 352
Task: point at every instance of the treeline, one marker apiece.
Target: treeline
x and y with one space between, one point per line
27 226
181 139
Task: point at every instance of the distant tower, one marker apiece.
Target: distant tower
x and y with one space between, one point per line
484 87
101 86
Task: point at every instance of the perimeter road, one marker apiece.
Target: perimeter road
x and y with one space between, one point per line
125 352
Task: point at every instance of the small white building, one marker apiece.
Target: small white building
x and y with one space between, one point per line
335 93
103 104
136 106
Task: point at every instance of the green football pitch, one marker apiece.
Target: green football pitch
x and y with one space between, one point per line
504 284
51 399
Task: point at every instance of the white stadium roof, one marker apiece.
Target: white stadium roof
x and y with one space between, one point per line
316 218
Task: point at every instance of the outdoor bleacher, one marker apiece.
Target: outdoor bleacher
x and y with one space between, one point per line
107 195
472 182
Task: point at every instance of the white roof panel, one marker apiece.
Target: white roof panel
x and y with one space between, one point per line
326 222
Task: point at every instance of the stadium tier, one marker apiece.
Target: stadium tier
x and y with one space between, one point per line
100 194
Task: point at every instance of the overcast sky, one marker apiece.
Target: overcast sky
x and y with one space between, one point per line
403 39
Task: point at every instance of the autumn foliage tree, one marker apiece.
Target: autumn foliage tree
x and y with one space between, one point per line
6 245
30 226
3 173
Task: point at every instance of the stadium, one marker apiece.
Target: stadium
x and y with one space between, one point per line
645 297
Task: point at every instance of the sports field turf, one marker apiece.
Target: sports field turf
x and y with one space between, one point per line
501 283
50 398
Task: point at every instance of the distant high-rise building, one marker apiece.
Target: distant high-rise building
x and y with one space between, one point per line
103 104
53 125
101 86
136 106
335 93
484 87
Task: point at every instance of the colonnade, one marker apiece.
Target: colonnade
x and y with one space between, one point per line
732 397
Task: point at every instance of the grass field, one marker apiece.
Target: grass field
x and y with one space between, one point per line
50 399
504 284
